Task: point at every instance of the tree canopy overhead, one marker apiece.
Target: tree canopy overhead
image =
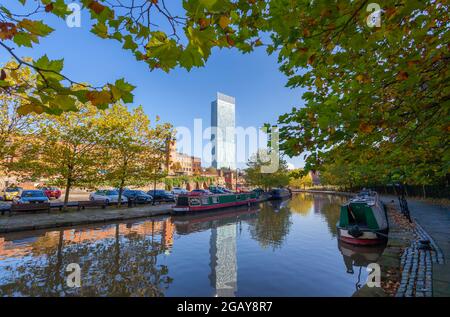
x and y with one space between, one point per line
375 90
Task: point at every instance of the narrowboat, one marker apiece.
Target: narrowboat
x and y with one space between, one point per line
200 201
261 194
363 220
280 193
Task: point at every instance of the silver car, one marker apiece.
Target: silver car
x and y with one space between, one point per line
108 196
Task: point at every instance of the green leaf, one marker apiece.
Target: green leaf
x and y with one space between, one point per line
129 43
124 89
101 30
24 39
37 28
49 65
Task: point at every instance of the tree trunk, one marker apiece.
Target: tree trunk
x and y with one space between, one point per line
119 201
424 192
68 186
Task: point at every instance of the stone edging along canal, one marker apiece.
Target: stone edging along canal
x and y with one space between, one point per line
26 222
406 264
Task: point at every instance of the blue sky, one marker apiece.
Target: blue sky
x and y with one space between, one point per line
179 96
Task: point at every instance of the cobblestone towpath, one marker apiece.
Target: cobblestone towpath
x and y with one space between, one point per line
424 264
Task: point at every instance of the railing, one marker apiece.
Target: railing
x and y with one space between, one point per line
400 190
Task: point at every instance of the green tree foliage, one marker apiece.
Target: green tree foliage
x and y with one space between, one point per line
133 147
298 179
378 99
13 126
255 176
66 149
376 95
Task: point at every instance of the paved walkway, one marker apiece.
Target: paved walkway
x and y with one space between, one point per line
24 222
435 221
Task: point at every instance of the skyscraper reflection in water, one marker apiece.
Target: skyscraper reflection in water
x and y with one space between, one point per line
223 262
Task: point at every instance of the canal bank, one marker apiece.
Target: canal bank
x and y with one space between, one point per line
26 222
400 237
433 223
410 267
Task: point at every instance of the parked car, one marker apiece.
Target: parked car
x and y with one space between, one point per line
179 191
138 195
198 192
51 192
12 192
31 197
226 190
160 195
108 196
216 190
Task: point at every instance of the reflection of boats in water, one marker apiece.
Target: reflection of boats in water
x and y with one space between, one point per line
277 205
186 224
363 220
356 256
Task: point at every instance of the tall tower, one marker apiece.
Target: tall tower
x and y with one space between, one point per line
223 139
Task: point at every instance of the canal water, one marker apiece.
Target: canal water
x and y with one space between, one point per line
286 248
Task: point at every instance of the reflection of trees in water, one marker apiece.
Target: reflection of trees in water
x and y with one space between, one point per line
326 205
329 207
119 266
272 224
301 203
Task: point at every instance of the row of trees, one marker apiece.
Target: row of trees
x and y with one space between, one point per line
376 105
255 176
84 148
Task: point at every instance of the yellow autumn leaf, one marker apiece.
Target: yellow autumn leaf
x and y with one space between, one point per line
224 21
99 97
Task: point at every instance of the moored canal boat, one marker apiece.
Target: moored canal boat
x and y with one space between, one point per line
280 193
363 220
201 202
261 194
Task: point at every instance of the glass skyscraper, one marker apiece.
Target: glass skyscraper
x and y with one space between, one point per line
223 139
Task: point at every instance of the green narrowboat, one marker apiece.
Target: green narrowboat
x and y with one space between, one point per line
199 202
363 220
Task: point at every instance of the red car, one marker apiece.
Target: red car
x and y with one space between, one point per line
51 192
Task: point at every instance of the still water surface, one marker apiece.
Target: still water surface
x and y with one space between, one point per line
284 248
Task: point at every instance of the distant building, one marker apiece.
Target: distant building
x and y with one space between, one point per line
223 123
315 176
180 163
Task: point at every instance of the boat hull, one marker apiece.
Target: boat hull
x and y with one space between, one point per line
190 204
367 237
280 194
